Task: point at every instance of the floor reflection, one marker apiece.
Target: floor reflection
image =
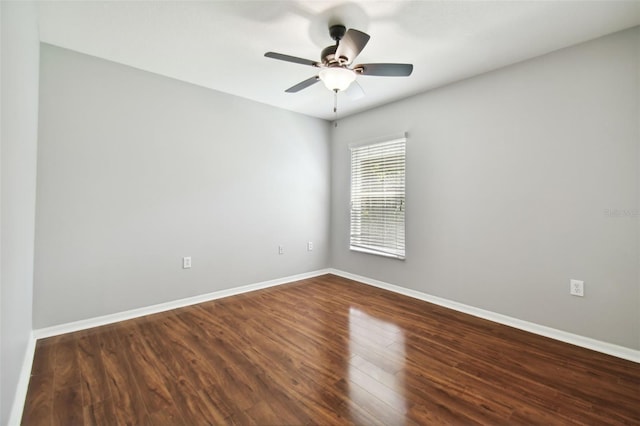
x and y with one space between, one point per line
376 370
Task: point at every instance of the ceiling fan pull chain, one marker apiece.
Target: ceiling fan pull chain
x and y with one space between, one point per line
335 107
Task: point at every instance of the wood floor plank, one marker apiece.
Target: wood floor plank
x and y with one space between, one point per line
129 408
328 351
196 407
152 383
102 413
38 410
66 368
67 406
44 357
182 403
92 372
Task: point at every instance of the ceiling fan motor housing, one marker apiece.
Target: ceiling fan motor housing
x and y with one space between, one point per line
337 32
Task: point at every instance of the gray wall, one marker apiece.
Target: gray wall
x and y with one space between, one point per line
136 171
19 123
509 175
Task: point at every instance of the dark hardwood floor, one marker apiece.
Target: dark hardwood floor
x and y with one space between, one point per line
323 351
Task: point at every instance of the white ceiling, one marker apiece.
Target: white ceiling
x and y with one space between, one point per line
220 44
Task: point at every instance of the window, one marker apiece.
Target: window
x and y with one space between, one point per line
377 198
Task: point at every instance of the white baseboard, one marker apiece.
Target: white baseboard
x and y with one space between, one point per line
15 416
563 336
162 307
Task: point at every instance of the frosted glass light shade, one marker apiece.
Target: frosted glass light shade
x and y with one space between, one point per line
337 78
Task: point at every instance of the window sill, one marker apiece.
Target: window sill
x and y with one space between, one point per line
376 252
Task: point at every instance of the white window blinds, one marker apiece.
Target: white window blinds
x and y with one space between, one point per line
378 198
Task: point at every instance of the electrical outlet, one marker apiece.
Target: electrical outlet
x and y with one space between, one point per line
310 246
576 288
186 262
280 249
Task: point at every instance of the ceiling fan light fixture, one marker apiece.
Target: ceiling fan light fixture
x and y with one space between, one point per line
336 78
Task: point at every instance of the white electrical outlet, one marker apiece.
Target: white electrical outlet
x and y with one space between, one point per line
576 288
310 246
280 249
186 262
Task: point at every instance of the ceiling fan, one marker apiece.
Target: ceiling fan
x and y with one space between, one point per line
336 71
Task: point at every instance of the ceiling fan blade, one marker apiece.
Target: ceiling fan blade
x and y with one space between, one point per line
384 70
289 58
351 45
303 84
355 91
